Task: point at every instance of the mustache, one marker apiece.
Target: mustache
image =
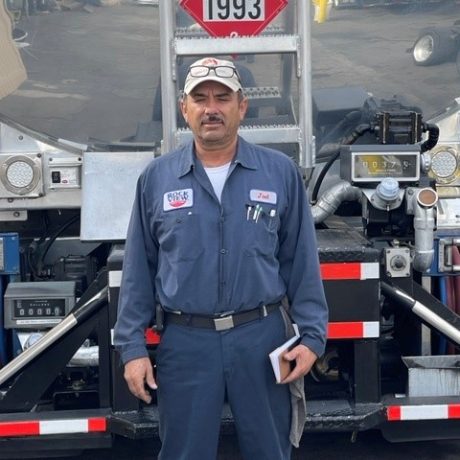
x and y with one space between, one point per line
211 119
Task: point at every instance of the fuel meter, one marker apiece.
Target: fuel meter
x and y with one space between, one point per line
37 304
373 163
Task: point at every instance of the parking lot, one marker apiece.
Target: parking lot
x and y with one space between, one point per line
92 75
371 47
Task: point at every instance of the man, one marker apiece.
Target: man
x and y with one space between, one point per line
220 233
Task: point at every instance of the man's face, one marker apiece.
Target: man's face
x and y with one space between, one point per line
214 112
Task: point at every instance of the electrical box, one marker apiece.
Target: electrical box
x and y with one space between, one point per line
9 253
38 305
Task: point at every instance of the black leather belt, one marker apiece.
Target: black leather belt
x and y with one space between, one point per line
222 322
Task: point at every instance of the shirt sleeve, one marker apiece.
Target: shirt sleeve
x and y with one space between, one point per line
299 267
136 305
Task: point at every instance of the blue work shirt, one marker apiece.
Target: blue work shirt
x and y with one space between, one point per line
190 252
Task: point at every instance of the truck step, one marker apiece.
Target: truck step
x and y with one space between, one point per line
326 415
340 415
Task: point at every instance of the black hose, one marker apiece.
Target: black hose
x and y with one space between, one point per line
326 151
351 139
322 174
51 240
351 118
356 134
433 136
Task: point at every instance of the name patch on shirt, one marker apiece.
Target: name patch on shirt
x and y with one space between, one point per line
178 199
263 196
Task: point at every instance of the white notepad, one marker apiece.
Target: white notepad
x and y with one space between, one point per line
282 367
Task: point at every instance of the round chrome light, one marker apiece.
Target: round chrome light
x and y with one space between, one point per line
444 164
20 174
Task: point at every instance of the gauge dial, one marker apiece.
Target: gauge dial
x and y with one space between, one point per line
375 166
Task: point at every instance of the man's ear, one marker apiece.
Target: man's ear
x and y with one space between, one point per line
243 107
183 109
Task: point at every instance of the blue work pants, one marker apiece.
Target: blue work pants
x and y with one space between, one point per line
198 368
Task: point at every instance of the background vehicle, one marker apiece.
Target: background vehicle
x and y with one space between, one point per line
436 44
384 186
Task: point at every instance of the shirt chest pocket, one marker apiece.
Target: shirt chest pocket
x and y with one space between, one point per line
180 237
261 234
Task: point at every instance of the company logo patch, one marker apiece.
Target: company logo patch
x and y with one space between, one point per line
178 199
263 196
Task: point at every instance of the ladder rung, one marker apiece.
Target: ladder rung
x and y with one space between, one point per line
266 44
270 134
263 96
262 92
199 32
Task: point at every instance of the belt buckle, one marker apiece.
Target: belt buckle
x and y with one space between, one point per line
223 323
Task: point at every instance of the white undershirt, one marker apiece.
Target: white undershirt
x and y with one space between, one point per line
217 176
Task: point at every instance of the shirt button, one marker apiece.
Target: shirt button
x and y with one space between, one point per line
223 251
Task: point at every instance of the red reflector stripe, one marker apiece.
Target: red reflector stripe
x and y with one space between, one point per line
393 413
349 271
151 337
97 424
10 429
349 330
50 427
454 411
353 330
423 412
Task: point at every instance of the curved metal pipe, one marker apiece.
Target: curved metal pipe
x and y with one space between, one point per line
424 224
444 325
332 198
85 356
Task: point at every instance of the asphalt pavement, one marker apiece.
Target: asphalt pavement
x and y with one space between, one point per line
337 446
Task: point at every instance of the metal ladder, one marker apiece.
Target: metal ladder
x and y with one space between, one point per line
291 41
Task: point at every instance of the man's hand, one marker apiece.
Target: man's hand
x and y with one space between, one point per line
304 359
138 375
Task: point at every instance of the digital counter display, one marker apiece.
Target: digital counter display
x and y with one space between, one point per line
39 308
375 166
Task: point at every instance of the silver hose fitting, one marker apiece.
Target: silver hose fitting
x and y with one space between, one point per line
424 225
329 201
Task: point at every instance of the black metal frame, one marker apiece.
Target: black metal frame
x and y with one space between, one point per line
36 376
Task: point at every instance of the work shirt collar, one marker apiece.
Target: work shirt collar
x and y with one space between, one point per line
244 157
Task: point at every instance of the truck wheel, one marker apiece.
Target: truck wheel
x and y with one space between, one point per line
433 46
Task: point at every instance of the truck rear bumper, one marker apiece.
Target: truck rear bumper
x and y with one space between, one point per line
421 418
46 434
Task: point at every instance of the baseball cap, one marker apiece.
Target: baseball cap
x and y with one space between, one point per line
212 69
